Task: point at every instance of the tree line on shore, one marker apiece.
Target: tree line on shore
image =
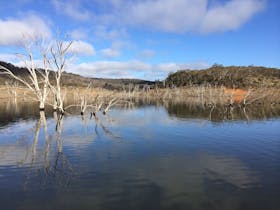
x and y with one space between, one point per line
227 76
217 75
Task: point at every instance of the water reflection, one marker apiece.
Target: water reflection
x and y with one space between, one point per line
12 112
222 113
140 158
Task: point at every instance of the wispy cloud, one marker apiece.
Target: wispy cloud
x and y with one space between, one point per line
105 32
10 58
116 49
147 54
82 48
73 9
180 16
110 53
78 34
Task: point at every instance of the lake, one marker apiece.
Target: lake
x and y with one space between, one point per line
150 156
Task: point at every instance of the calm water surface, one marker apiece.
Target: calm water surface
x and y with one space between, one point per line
148 157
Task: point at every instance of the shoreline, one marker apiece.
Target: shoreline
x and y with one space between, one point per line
207 95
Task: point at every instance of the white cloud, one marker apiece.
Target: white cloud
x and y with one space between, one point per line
132 69
230 16
172 67
13 31
181 16
110 53
118 69
82 48
100 66
165 15
72 9
195 65
168 67
111 69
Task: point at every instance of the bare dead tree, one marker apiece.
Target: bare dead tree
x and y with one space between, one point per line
244 101
85 102
98 105
59 57
12 88
33 83
111 103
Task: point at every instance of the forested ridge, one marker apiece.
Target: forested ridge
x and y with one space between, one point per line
228 76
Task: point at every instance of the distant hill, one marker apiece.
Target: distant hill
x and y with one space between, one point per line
69 79
231 76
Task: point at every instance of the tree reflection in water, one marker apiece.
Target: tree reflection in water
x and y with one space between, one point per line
222 113
54 167
159 159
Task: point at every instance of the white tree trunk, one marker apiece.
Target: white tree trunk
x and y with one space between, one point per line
42 106
33 82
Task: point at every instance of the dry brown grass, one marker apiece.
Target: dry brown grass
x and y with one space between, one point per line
210 96
196 95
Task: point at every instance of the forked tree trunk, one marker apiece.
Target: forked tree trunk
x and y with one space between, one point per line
33 83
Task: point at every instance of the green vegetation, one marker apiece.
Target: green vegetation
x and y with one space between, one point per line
231 77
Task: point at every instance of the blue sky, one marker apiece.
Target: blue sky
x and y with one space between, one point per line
147 39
